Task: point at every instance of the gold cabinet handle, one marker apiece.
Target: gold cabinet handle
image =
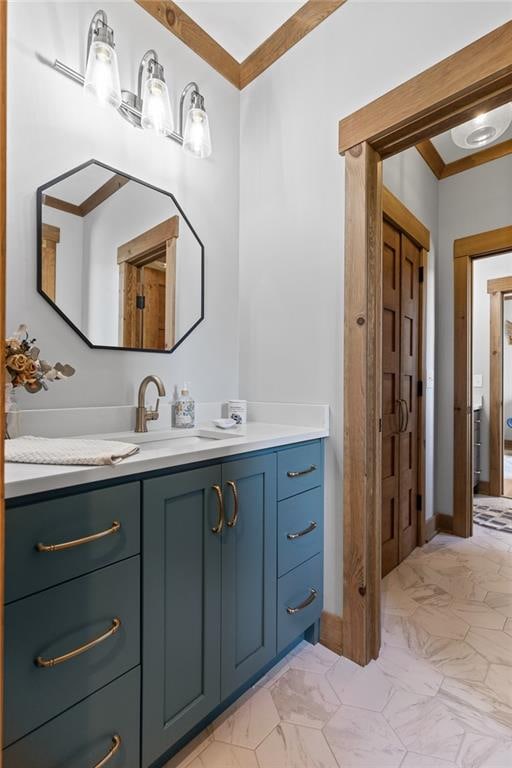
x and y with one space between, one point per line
311 598
48 663
220 505
311 527
114 528
302 472
234 491
116 745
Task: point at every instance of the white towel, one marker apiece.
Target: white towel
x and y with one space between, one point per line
66 450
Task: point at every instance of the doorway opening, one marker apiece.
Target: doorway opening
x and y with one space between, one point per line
491 395
476 79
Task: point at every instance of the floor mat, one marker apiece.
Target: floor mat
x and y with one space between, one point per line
492 512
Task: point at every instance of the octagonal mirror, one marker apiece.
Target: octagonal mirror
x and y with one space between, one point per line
119 260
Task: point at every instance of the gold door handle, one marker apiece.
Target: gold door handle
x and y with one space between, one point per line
234 491
220 504
311 527
114 528
309 599
302 472
48 663
116 745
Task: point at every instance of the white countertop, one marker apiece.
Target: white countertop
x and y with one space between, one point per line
24 479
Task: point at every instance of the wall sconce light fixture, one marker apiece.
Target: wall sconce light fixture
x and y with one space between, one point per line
150 107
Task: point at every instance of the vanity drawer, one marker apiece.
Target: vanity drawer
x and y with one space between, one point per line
57 622
299 469
84 735
72 519
299 600
299 529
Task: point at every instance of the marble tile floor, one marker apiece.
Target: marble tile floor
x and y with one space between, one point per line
439 696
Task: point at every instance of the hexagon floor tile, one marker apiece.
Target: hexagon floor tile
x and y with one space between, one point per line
439 696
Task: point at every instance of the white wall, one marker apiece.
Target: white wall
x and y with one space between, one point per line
52 128
292 203
484 270
470 202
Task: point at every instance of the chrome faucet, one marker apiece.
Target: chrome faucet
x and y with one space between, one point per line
148 414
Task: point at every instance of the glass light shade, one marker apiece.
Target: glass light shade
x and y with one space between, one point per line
156 107
484 129
196 137
102 74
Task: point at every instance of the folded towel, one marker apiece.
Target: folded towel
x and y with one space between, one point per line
65 450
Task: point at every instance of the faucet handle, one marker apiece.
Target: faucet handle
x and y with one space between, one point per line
153 413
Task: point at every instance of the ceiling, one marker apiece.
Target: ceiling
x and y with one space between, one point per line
450 152
240 26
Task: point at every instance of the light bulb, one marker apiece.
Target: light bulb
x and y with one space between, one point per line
102 74
483 129
196 138
156 107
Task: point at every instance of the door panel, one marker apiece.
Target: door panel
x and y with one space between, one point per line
181 607
409 311
390 395
249 570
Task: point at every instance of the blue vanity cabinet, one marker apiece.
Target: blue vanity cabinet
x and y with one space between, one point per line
249 569
181 606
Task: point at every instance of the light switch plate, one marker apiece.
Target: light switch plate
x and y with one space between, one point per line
478 380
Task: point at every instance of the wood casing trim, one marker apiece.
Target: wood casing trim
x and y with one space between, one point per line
430 528
331 632
500 285
465 250
303 21
3 245
399 215
454 90
362 489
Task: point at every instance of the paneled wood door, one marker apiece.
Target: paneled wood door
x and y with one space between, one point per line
400 336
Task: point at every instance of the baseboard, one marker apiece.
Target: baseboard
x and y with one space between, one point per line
444 523
331 631
484 487
430 528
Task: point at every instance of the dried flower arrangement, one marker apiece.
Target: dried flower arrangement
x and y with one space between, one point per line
25 369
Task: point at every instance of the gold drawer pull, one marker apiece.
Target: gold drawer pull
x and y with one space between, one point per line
220 505
311 527
47 663
114 528
302 472
311 598
116 744
234 491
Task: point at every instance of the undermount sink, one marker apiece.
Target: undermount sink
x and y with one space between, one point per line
184 437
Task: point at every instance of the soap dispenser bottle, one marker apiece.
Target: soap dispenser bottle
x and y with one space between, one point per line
184 413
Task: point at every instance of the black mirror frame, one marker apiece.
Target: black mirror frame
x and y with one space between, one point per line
40 191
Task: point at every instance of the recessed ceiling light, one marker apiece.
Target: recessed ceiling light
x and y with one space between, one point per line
483 129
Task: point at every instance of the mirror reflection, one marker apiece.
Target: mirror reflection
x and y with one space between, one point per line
119 260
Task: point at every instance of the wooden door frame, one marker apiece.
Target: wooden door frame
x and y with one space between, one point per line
3 237
465 250
397 214
497 289
476 79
